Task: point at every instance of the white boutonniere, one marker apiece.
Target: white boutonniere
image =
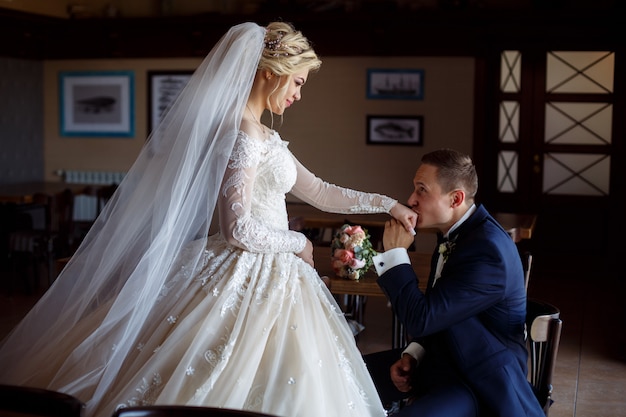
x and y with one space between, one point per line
445 248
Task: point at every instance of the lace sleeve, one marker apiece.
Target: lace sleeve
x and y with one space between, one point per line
334 199
237 225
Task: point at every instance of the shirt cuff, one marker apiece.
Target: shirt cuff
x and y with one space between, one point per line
416 350
387 260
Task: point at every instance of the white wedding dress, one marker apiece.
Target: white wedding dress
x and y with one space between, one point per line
150 310
252 326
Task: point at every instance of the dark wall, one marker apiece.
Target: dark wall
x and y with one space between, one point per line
21 120
380 31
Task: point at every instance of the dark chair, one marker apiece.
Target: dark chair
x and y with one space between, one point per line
85 201
527 263
543 324
28 401
97 197
184 411
104 195
34 244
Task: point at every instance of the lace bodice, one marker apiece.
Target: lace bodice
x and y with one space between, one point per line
252 204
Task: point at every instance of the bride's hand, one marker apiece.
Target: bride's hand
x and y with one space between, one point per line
406 216
307 253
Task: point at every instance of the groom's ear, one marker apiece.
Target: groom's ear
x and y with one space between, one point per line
458 197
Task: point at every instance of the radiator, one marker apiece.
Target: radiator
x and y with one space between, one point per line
86 206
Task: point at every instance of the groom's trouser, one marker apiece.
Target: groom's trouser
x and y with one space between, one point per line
437 389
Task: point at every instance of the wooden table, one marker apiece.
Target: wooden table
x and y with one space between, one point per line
520 226
22 193
366 286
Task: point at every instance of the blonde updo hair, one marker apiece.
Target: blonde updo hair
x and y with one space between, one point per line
287 51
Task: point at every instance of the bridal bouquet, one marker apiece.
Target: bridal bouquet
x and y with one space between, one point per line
352 252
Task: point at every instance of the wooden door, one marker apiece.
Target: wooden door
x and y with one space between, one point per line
549 140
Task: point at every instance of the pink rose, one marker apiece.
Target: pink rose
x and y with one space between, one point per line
345 256
352 230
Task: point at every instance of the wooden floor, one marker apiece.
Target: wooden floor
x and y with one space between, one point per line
590 379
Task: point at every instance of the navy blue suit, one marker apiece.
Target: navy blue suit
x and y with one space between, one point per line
471 323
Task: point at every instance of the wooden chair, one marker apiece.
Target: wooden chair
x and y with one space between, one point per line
543 324
54 239
184 411
104 195
87 199
98 195
27 401
527 263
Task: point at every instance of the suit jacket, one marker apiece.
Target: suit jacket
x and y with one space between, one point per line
473 318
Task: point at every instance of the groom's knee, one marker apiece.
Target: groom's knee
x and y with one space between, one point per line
379 364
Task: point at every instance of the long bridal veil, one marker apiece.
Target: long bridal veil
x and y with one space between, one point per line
76 337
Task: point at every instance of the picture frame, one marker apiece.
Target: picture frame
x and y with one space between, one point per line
395 84
163 89
395 130
96 103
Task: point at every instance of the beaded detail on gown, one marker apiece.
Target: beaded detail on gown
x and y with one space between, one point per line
252 326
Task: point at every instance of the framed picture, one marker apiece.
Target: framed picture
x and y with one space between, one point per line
163 88
395 84
395 130
97 103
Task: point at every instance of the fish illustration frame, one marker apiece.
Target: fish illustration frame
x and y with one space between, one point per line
395 84
395 130
97 103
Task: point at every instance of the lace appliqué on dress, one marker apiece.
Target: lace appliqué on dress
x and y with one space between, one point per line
262 228
346 366
216 358
147 392
255 398
256 237
247 153
365 202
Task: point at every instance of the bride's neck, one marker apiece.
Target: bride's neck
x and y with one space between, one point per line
256 120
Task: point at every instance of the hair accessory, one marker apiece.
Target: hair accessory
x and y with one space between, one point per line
278 49
275 45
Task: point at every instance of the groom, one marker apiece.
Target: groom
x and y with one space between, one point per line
467 355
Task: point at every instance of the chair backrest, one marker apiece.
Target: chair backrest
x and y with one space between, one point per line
61 224
104 195
184 411
45 202
16 400
53 212
527 263
544 326
320 231
63 211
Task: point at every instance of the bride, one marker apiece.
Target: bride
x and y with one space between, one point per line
153 310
